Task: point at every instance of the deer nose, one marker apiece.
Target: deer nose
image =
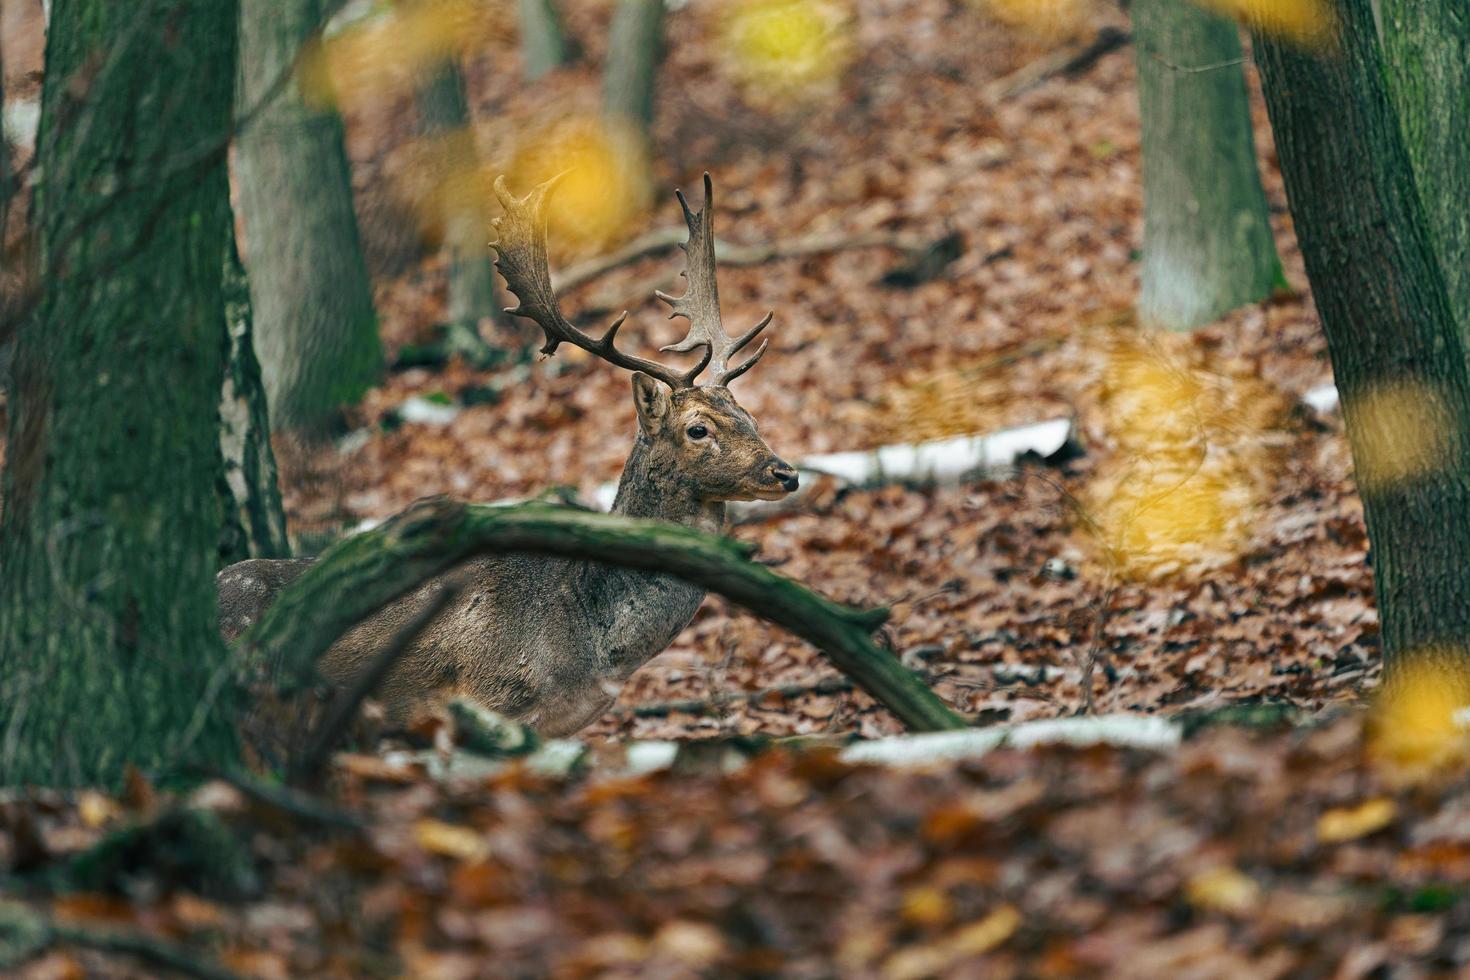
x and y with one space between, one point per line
785 475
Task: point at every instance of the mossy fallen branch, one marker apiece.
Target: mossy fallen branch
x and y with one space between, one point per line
363 573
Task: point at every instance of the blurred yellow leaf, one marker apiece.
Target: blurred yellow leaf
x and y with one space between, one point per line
976 939
1413 731
97 809
605 187
449 840
1350 823
1399 430
1223 889
926 906
1043 19
781 47
390 52
1310 23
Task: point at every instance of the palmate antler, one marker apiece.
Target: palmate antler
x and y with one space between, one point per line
522 261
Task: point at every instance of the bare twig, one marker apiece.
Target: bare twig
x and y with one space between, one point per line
291 801
703 706
344 706
728 253
1068 60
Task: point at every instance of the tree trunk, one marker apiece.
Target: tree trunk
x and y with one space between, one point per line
1397 352
109 655
250 494
543 44
1207 243
1427 48
367 571
630 77
315 329
445 117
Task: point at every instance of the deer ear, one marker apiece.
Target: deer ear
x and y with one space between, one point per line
651 397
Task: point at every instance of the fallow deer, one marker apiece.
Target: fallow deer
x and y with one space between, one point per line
550 641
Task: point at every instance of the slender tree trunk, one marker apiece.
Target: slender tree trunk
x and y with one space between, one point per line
250 494
1427 48
1207 243
109 655
445 117
630 77
316 332
543 43
1397 352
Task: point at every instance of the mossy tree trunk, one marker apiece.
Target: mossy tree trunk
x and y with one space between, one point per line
463 207
630 76
250 494
109 655
1207 243
1397 353
543 42
1427 49
315 327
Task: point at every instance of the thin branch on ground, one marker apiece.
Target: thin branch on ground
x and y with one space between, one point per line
1071 59
365 572
26 934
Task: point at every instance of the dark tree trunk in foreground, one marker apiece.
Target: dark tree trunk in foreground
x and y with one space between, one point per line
543 44
630 76
1427 48
1207 243
250 496
1397 353
315 329
464 212
109 655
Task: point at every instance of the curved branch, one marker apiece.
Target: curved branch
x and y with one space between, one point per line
363 573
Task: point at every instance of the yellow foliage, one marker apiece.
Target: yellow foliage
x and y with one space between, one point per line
1350 823
786 48
450 840
1399 430
1310 23
442 180
1223 889
1042 19
390 52
1185 486
605 182
1414 731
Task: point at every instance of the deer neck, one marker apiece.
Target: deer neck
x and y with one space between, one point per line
647 490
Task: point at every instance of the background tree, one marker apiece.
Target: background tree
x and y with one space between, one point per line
315 327
543 43
462 205
254 522
111 523
1207 242
1427 49
630 76
1397 353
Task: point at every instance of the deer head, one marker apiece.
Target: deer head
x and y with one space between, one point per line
699 441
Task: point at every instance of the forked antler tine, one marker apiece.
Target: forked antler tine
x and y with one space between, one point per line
521 251
700 304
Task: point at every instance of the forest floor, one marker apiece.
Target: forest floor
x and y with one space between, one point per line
1242 577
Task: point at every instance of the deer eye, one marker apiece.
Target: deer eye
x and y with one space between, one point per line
697 432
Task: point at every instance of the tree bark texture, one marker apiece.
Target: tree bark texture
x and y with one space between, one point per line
1397 352
543 42
365 572
630 76
254 520
315 327
445 116
1427 49
1207 242
109 655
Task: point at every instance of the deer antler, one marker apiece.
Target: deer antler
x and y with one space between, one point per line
700 304
522 261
